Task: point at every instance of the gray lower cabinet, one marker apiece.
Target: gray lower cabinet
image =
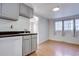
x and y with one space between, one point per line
34 43
29 44
26 45
11 46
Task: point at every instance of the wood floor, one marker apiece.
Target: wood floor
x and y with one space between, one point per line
54 48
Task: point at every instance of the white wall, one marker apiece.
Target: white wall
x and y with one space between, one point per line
43 29
66 38
21 24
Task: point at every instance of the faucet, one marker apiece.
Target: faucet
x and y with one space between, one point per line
25 30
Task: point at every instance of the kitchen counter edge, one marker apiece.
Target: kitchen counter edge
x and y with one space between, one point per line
21 34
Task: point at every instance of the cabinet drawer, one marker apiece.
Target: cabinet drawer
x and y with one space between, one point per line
34 36
27 37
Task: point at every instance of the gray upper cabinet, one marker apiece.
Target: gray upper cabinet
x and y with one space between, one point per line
9 11
26 11
0 9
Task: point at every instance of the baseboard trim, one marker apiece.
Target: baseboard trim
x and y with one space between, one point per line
63 42
43 42
30 53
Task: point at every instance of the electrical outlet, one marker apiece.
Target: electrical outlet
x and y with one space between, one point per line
11 26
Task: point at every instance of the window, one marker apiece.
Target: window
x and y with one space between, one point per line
58 26
77 24
68 25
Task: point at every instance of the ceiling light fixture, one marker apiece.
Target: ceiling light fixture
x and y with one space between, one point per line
56 9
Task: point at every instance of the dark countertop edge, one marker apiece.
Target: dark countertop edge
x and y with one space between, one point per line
12 32
13 35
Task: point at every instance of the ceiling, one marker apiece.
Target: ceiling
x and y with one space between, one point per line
66 9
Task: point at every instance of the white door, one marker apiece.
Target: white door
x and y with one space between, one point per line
26 45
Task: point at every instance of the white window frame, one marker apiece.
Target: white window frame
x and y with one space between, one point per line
68 25
58 25
77 24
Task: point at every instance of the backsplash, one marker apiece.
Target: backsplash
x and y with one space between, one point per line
21 24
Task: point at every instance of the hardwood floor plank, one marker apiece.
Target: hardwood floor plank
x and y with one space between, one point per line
54 48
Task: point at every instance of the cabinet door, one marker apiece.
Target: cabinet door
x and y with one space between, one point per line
0 9
34 42
26 11
10 10
26 45
10 46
